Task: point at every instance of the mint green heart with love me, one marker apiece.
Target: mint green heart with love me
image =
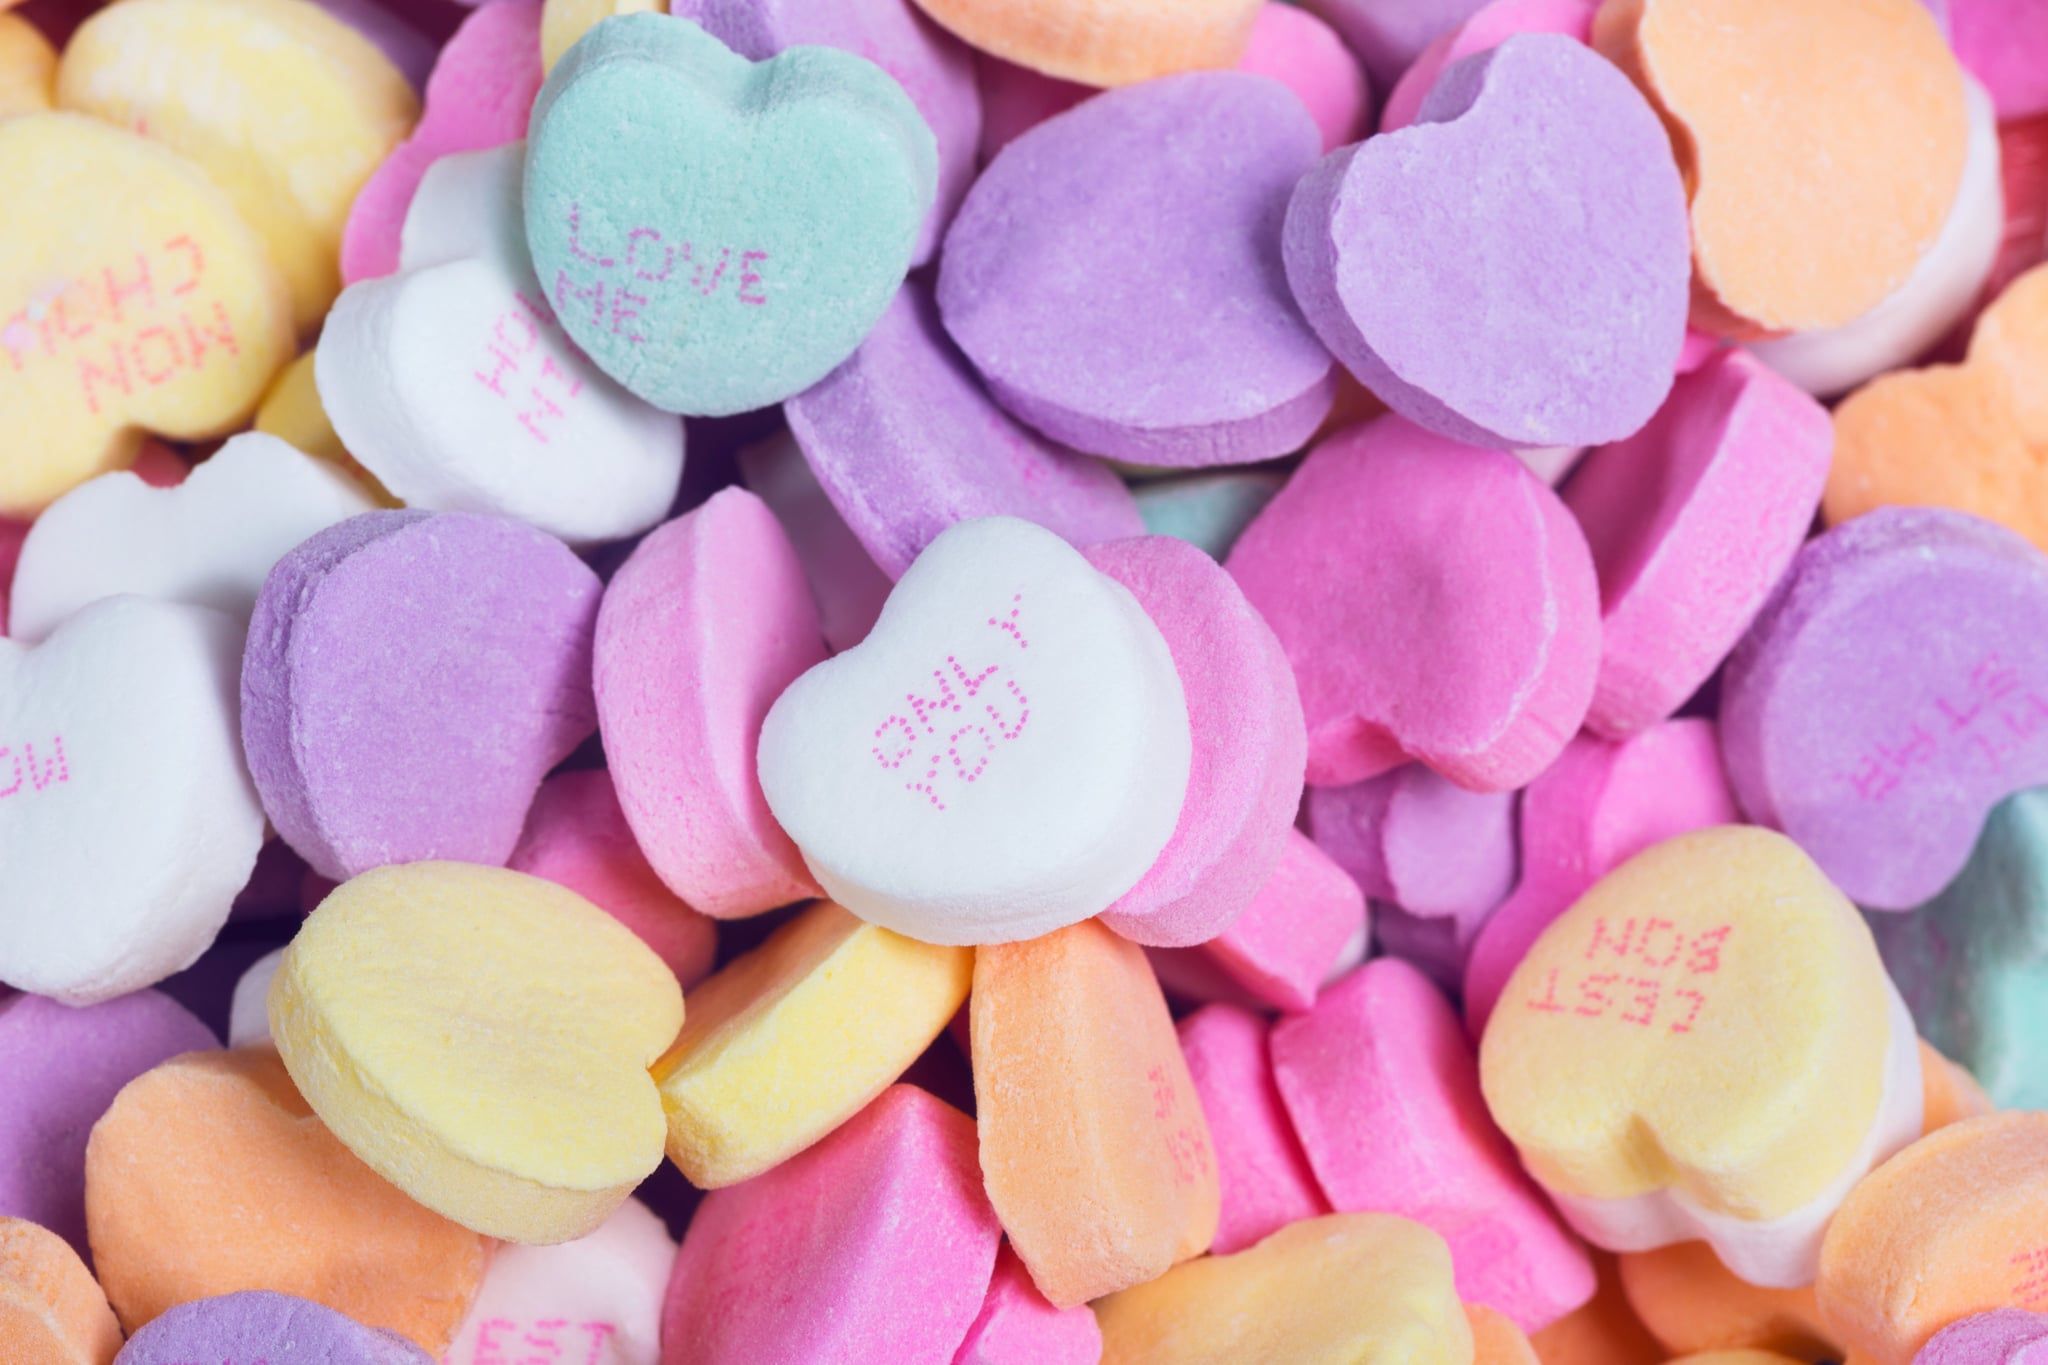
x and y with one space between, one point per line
719 234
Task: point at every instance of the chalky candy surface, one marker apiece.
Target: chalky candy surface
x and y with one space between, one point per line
848 586
1694 1303
876 1244
554 1128
2004 1336
1894 690
594 1301
935 69
1413 839
1016 1326
1627 1059
127 819
905 442
1115 276
1488 27
1511 271
1437 603
51 1311
1007 685
1692 522
258 1325
28 67
209 541
1388 35
135 299
2001 42
731 241
410 679
1103 44
1206 510
65 1067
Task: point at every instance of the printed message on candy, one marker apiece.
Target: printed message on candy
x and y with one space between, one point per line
645 266
1992 713
25 770
1646 973
526 377
1186 1146
948 754
536 1341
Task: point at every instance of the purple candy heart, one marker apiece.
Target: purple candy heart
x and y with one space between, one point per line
410 679
1514 269
1115 274
2005 1336
906 443
1890 694
258 1327
1388 35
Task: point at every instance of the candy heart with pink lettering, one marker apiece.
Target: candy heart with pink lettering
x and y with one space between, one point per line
127 822
1513 270
1892 693
1437 602
1006 753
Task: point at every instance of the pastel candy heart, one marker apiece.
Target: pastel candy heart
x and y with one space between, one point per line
877 1243
905 443
593 1301
1437 603
736 238
1781 241
291 178
249 1006
1694 1303
1244 713
257 1324
2000 42
209 541
550 1131
51 1310
564 22
1692 521
64 1067
28 67
1114 275
1942 291
291 411
933 67
127 822
1966 436
1599 805
1103 44
1539 182
1346 1286
2004 1336
848 586
479 95
1389 35
497 615
1886 783
456 387
1016 1326
1380 1084
1209 511
1412 839
1604 1332
1007 685
1624 1058
209 1175
1486 28
157 312
719 583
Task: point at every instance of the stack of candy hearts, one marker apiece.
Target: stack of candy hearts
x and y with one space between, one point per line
1023 682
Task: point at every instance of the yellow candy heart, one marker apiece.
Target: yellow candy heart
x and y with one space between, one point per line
286 107
28 67
562 22
292 412
791 1040
133 299
1343 1287
480 1038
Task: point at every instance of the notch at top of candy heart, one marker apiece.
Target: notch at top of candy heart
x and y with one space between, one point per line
718 234
1006 753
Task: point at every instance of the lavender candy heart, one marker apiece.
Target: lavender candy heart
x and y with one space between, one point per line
2005 1336
905 443
1513 269
63 1068
934 68
1893 690
410 679
1115 274
258 1327
1388 35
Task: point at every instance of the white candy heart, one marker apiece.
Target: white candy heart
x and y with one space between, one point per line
209 541
1006 753
452 382
249 1006
127 820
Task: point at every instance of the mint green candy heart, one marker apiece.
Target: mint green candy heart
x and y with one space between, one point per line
718 234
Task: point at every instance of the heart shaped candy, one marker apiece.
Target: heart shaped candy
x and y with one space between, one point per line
209 541
257 1324
210 1175
28 67
718 235
1008 687
410 679
453 383
51 1310
1486 28
135 299
1511 270
127 822
594 1301
1891 694
547 1131
1705 1046
1098 43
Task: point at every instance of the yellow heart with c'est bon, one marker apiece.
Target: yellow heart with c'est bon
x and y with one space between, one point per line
133 299
481 1039
291 112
